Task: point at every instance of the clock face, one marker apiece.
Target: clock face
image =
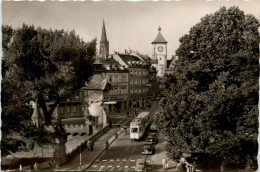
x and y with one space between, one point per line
160 49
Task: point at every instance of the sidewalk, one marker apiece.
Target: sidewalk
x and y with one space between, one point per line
157 158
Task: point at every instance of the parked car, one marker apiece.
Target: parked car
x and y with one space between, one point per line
140 165
152 137
148 149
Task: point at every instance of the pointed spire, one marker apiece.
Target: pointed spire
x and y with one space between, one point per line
103 35
159 29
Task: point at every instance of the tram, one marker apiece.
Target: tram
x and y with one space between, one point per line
138 125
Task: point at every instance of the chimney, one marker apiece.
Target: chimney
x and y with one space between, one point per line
125 52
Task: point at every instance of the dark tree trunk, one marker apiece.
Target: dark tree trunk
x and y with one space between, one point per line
47 114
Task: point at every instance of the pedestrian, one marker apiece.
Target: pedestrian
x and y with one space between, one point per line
116 135
125 128
107 144
21 167
110 124
164 163
92 145
87 145
35 166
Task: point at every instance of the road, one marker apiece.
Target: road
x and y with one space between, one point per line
123 153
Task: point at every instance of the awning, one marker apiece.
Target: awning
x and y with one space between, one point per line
109 103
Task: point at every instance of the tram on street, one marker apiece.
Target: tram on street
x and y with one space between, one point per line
138 125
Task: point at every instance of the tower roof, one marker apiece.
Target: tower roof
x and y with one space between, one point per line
97 61
159 38
103 34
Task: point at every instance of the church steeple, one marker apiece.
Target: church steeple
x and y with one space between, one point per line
103 35
104 44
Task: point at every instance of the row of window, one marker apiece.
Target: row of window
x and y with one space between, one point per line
117 78
68 109
118 90
139 73
140 90
83 94
138 81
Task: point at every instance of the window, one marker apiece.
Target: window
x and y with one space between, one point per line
135 81
131 90
115 90
68 109
85 93
134 130
123 78
80 94
135 72
131 72
73 109
61 109
119 90
131 81
110 78
116 78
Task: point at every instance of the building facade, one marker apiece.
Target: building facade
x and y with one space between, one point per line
138 78
117 75
171 64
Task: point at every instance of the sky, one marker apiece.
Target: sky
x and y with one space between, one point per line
129 25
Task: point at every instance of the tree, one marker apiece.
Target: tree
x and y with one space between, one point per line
46 65
210 109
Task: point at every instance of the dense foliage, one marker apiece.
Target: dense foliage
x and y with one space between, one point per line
211 106
40 65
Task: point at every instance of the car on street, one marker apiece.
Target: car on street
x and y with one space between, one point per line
148 149
140 165
152 137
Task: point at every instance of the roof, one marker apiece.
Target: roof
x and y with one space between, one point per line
109 61
97 82
146 57
133 61
97 61
103 34
172 61
126 58
110 64
159 38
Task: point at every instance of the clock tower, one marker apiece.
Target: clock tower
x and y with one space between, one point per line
160 53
